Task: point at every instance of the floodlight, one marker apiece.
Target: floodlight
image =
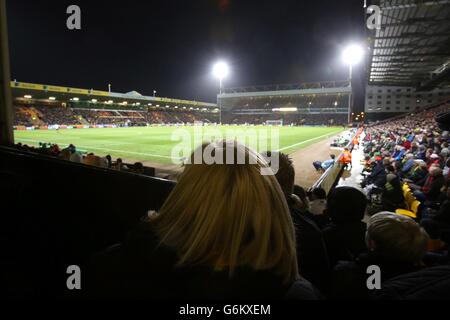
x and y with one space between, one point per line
352 54
220 70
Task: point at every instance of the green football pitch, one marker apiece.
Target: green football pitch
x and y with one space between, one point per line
157 144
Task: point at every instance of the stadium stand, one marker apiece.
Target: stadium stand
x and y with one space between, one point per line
72 236
318 103
226 231
40 115
407 167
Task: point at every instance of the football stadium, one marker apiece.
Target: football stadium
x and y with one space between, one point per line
329 182
136 128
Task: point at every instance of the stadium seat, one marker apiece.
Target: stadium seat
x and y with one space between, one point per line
411 203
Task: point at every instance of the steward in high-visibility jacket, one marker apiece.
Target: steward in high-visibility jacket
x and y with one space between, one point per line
346 157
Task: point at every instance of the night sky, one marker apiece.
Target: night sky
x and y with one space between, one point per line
171 45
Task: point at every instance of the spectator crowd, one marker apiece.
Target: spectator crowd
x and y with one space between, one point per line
37 116
227 231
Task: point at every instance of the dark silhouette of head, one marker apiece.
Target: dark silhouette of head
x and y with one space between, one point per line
346 204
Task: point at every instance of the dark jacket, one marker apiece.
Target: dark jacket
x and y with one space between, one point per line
427 284
345 241
443 214
392 197
432 187
141 268
349 279
312 254
378 175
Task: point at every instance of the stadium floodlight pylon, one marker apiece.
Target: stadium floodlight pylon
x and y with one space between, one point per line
220 71
351 56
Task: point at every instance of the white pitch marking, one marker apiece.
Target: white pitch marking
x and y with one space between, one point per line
302 142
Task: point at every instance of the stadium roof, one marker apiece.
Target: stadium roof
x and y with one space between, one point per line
412 48
288 90
289 87
44 92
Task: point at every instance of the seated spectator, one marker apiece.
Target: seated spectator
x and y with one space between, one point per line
138 168
345 236
375 182
64 154
392 197
311 252
302 204
418 173
318 202
397 245
209 240
432 187
446 170
119 165
109 159
407 165
90 159
439 218
323 166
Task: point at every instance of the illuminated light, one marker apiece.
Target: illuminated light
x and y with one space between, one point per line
138 103
176 107
94 100
352 55
220 70
167 106
149 104
157 105
125 103
110 102
284 109
335 103
76 99
52 98
27 96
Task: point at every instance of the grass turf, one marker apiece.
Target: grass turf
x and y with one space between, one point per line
155 143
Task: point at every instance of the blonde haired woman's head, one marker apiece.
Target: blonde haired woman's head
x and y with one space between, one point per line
229 215
396 237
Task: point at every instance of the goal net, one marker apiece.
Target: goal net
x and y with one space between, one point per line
274 122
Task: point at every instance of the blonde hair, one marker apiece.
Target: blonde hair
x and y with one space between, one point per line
229 215
397 237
